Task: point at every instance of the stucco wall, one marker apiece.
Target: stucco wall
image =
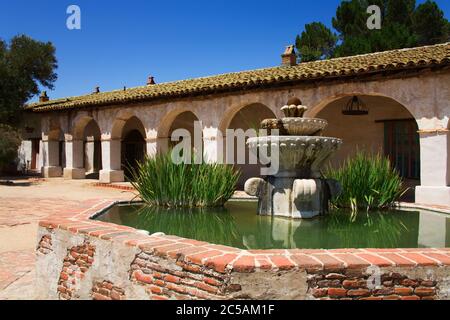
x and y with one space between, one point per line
361 132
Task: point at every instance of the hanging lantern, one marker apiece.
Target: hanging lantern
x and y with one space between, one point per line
355 107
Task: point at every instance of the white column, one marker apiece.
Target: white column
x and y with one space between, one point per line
152 147
74 160
111 161
50 156
213 145
89 155
435 168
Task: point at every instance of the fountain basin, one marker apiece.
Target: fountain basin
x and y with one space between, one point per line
303 126
299 156
295 126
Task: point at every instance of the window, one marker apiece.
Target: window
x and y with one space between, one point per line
401 145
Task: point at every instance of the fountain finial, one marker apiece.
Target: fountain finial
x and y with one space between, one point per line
294 108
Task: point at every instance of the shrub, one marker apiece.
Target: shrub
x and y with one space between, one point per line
368 182
9 145
161 182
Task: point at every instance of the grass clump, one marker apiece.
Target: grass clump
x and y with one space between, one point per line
368 182
161 182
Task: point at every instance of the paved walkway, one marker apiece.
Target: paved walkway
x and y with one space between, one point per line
23 204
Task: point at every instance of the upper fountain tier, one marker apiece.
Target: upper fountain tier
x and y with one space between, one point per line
294 124
302 149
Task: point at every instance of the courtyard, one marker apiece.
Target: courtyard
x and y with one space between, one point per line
226 152
23 205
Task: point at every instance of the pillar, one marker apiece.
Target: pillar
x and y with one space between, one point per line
111 161
152 147
51 167
89 155
74 160
213 145
435 168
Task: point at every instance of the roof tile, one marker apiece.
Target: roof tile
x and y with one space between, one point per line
356 65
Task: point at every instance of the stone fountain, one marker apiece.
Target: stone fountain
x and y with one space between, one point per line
298 190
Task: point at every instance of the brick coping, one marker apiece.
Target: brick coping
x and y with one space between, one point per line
225 259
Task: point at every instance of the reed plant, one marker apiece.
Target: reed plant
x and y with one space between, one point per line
368 182
161 182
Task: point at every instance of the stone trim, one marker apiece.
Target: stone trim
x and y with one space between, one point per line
428 131
113 186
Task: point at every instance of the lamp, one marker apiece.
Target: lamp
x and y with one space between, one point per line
355 107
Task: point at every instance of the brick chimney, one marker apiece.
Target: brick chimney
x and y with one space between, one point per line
43 97
289 58
151 81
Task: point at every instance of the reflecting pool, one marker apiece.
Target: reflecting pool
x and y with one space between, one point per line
237 225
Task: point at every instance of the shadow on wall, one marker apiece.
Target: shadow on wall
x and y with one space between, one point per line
389 129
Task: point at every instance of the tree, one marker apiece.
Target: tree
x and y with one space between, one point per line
396 32
9 144
316 42
403 25
429 24
24 65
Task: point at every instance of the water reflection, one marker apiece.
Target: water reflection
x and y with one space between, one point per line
238 226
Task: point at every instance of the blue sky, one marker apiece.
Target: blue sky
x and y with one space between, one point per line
121 43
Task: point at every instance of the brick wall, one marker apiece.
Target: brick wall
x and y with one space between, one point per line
358 286
79 258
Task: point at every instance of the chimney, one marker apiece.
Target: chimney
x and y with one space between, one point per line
151 81
43 97
289 58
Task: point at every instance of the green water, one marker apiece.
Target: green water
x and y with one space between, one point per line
237 225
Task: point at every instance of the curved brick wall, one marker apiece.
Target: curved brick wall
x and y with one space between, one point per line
79 258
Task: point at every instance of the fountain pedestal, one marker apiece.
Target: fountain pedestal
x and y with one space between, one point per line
298 190
292 198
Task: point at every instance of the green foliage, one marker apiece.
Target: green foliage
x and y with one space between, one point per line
429 24
368 182
316 42
161 182
24 65
403 25
9 144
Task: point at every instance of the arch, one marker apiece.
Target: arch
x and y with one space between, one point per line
133 142
80 125
319 106
54 132
246 117
232 111
121 119
53 148
389 128
168 120
182 118
87 130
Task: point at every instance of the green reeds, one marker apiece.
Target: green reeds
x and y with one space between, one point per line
369 182
161 182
